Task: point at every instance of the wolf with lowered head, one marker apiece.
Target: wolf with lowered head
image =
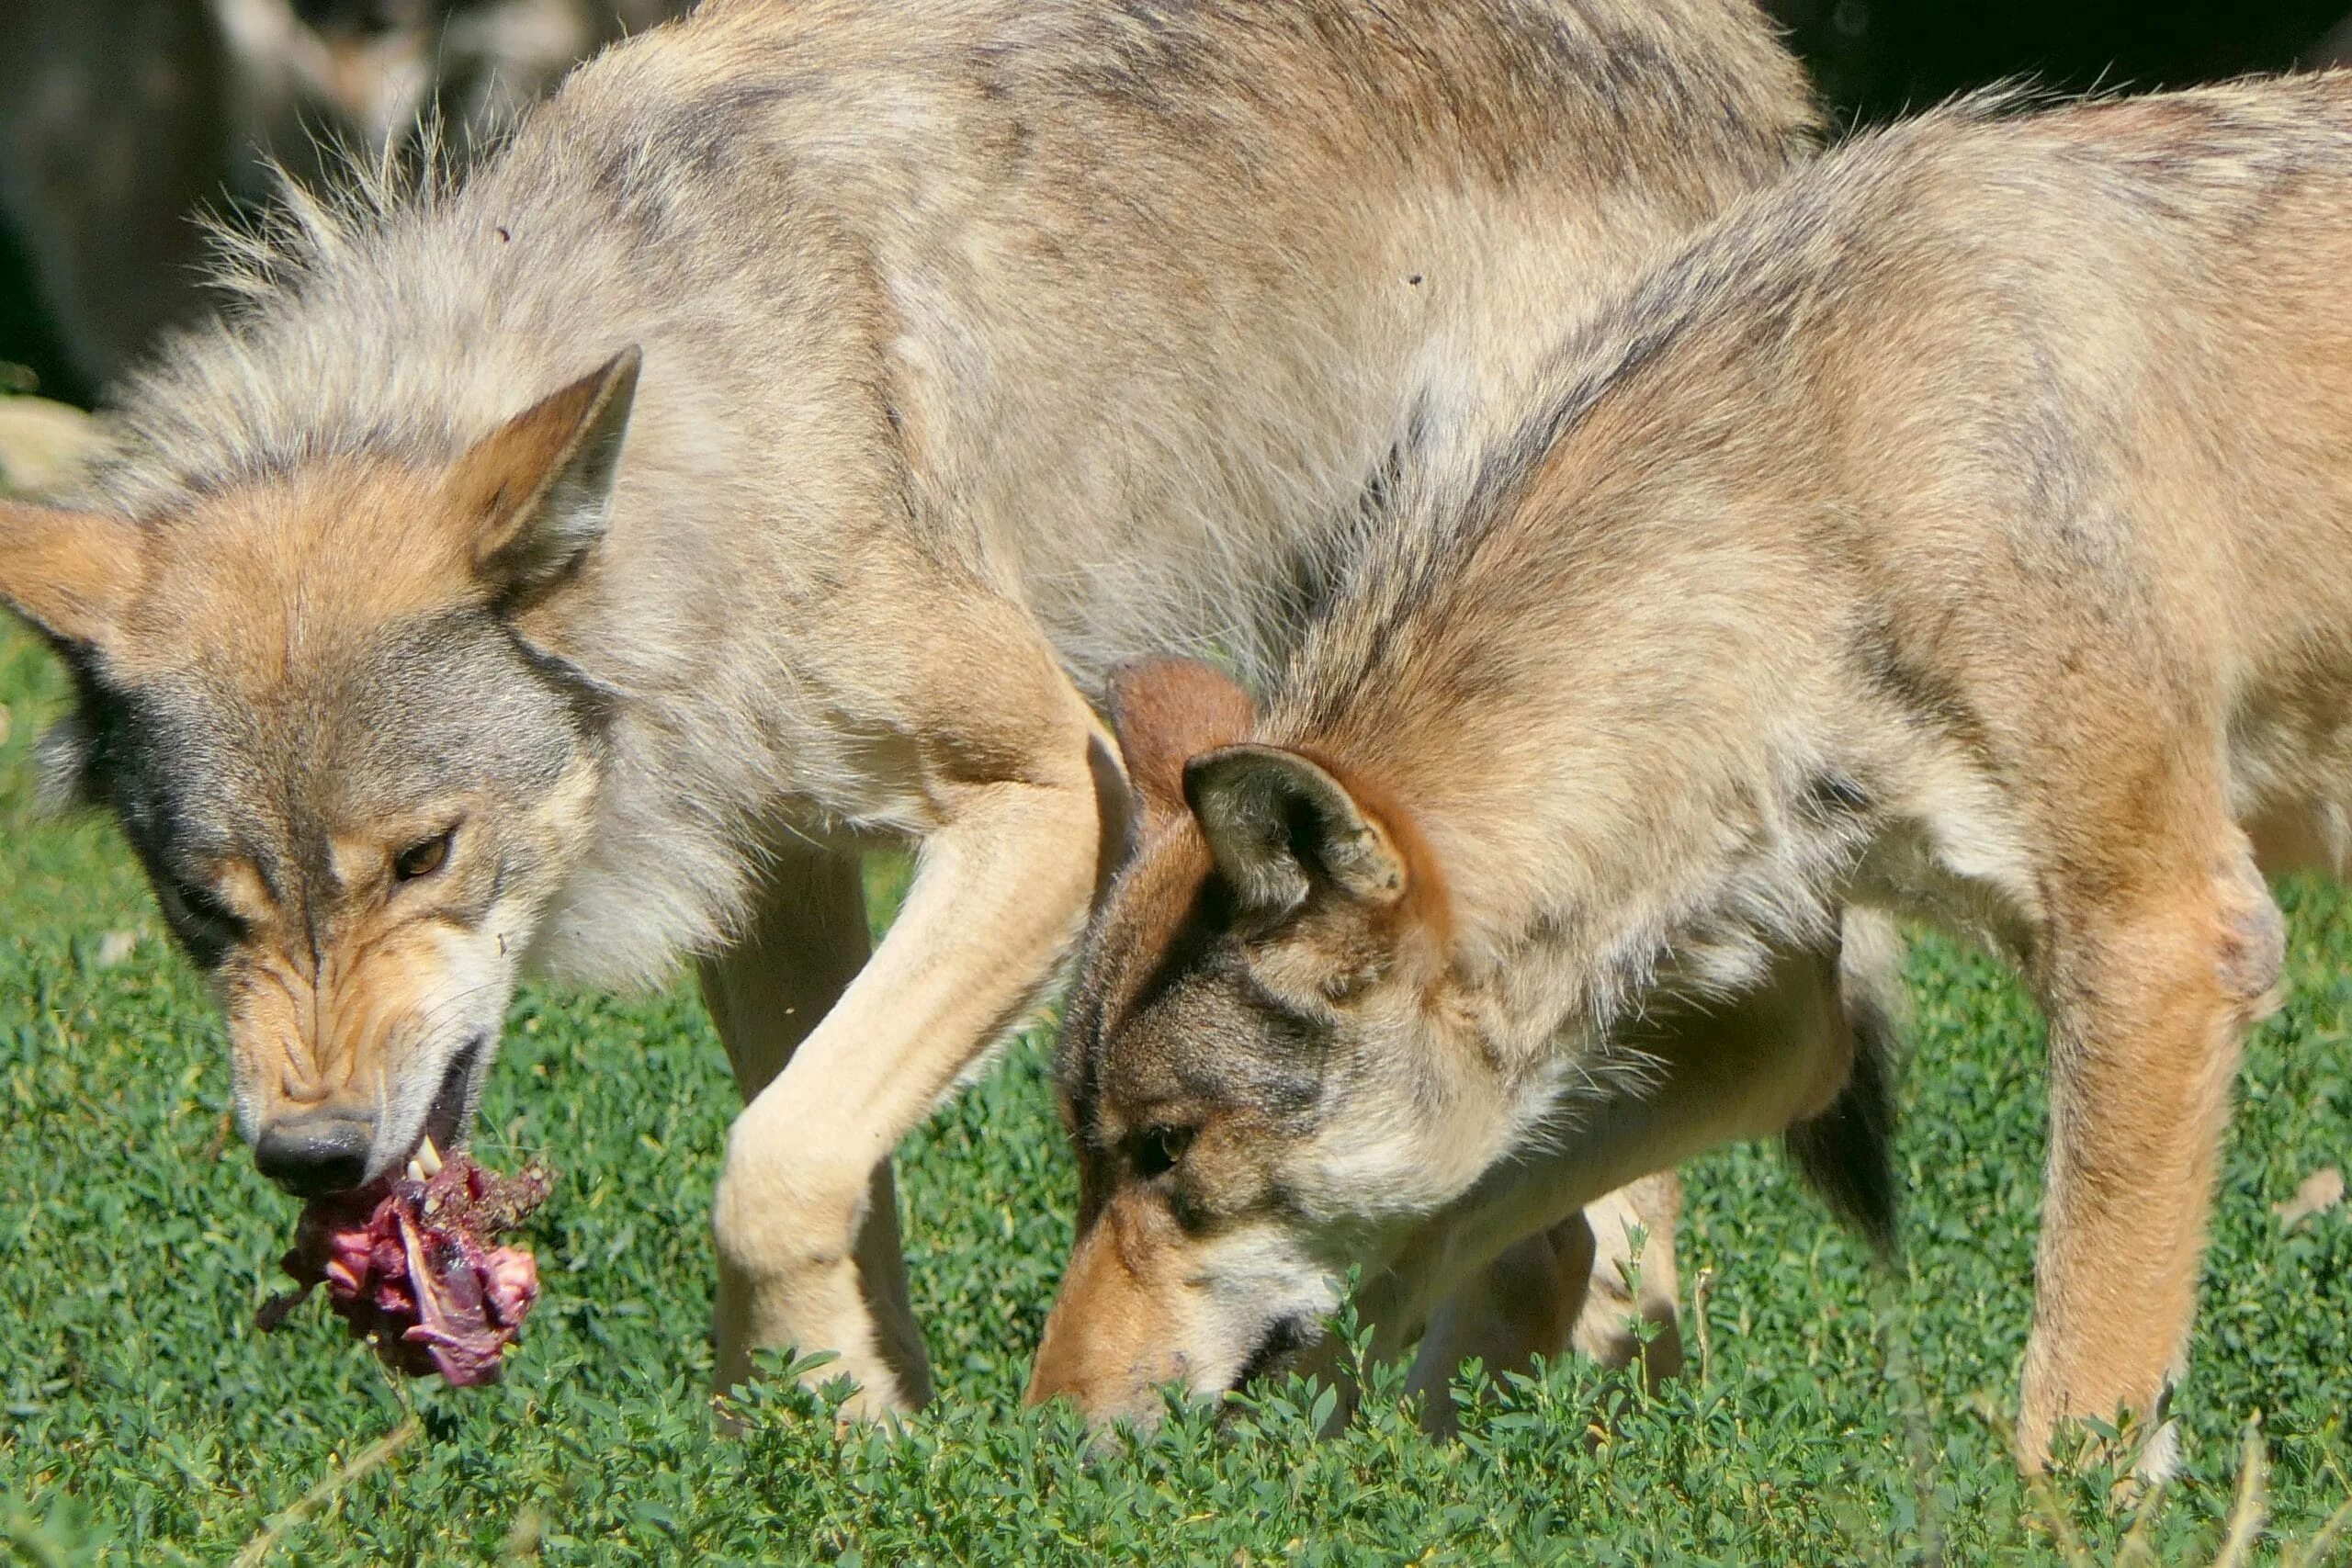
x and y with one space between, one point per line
1963 529
758 458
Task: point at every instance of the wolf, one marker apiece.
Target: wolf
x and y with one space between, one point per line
575 565
1959 529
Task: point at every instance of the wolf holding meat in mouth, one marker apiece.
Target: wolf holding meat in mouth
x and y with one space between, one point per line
758 457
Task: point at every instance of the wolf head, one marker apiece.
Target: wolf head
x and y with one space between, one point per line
319 705
1259 1066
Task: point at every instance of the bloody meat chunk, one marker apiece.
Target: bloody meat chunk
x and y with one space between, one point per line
414 1265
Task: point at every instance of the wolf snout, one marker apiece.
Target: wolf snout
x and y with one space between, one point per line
317 1153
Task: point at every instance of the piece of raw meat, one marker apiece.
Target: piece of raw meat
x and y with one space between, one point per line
412 1265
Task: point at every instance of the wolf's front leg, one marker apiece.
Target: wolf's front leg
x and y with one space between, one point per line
1580 1283
2149 991
803 1208
1742 1069
805 943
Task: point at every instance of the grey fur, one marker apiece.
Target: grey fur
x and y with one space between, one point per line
796 291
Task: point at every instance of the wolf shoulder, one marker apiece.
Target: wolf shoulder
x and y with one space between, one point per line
2187 207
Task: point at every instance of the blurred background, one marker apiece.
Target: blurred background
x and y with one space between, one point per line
119 119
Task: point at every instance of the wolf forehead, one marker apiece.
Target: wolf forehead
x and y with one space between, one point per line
305 646
402 717
1168 1015
441 702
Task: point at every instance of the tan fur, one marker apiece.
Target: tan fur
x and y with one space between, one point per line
1130 1278
1167 711
1957 530
342 551
937 421
68 570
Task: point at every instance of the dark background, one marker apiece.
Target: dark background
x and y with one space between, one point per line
30 359
1870 58
1873 59
28 356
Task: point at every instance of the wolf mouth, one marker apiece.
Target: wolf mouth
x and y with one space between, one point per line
1278 1349
449 1120
410 1259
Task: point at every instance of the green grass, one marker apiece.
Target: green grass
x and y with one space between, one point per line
1847 1414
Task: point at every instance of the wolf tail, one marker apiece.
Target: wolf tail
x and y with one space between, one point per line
1845 1153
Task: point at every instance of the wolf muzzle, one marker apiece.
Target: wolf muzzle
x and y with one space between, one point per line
316 1154
326 1149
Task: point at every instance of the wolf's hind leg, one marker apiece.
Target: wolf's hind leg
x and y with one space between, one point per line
1631 1311
1521 1305
806 942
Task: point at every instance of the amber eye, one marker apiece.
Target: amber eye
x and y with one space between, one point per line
424 857
1157 1150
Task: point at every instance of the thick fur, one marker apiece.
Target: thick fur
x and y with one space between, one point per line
981 344
1959 529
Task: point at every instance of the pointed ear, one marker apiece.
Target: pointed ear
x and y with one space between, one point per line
70 573
1280 825
537 490
1167 711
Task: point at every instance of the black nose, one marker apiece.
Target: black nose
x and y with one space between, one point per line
314 1156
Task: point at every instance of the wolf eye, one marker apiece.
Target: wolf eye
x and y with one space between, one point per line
424 857
1157 1150
205 926
206 910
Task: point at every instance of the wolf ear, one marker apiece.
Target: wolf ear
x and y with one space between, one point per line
1167 711
70 573
539 489
1278 823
